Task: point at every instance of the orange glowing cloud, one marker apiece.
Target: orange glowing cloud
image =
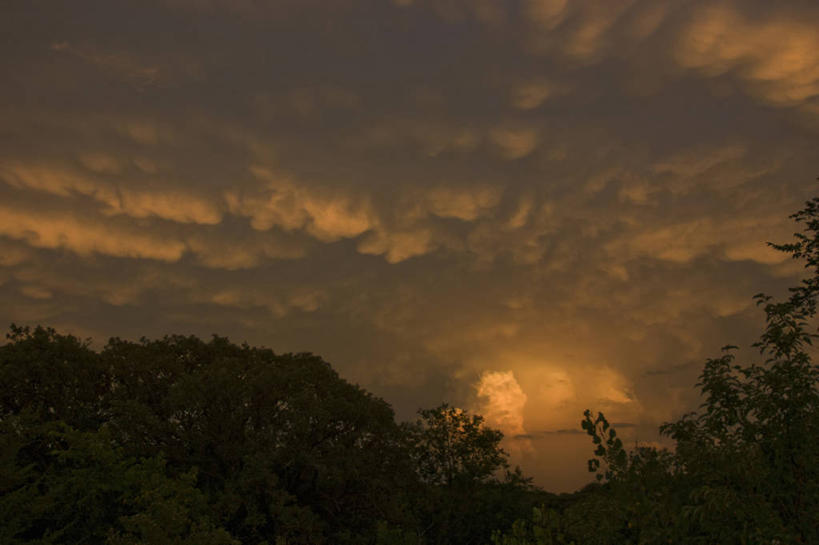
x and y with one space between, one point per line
326 215
778 57
505 401
84 235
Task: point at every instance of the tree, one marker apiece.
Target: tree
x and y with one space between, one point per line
452 447
279 446
745 469
64 486
469 490
52 377
753 449
284 446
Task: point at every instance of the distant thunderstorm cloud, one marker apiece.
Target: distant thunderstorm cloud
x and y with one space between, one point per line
522 207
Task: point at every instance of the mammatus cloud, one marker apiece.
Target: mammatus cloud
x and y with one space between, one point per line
777 57
66 230
129 197
534 93
515 143
289 206
547 13
556 205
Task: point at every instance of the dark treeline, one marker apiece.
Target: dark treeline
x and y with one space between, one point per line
184 441
181 441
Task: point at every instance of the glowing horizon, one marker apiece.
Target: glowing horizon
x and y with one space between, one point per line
524 208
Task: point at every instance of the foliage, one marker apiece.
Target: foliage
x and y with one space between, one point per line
609 447
183 441
450 447
86 490
546 527
278 446
765 414
468 488
746 465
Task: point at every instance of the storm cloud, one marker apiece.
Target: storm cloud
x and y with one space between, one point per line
526 208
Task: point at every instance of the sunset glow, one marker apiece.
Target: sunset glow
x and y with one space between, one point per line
525 208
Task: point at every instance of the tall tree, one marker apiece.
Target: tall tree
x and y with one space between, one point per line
469 489
753 448
451 447
280 446
746 465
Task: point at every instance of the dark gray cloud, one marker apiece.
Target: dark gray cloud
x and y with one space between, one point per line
526 208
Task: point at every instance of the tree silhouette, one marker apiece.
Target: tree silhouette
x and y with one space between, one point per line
745 469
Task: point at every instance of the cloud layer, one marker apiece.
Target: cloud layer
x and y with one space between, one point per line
526 207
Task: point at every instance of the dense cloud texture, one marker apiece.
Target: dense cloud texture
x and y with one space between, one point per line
522 207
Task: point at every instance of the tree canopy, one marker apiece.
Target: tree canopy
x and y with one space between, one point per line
185 441
745 469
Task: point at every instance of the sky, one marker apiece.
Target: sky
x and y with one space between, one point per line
524 208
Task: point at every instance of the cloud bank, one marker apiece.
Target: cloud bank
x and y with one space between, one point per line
525 207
